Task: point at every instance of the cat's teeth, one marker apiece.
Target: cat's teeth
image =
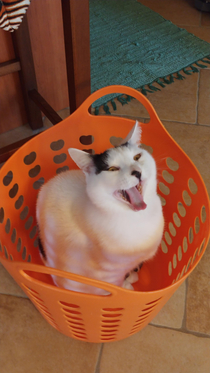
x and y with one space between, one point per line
123 195
139 188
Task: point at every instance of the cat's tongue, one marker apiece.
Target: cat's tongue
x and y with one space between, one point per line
136 199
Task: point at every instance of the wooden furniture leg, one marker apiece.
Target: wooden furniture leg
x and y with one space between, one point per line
22 46
77 47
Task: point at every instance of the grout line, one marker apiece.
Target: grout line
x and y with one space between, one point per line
195 334
97 369
185 123
184 320
15 295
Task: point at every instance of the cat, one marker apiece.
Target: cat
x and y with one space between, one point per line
103 220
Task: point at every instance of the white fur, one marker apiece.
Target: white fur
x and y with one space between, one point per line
84 229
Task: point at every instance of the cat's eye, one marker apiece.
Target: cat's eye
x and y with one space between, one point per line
113 168
137 157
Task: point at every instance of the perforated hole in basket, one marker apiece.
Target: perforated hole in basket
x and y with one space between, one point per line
144 315
194 256
203 214
186 197
172 164
163 201
13 235
192 186
33 172
115 141
57 145
170 268
1 215
38 183
40 304
19 202
29 222
185 244
29 158
86 139
168 177
176 219
110 322
62 169
147 148
172 229
6 252
24 213
201 247
74 319
197 225
168 238
181 209
13 191
164 247
164 188
8 226
8 178
32 233
190 235
179 254
60 158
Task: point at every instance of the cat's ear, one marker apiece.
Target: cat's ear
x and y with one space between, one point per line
82 159
134 136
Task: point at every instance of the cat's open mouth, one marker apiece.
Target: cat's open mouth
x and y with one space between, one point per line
133 197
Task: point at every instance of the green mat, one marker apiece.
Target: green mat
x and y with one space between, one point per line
134 46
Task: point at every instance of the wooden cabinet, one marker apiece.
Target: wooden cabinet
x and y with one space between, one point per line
47 40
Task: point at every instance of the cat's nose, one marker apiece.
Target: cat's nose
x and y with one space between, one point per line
137 174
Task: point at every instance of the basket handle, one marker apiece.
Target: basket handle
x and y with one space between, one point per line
24 270
123 90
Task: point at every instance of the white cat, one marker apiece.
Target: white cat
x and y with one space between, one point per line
104 220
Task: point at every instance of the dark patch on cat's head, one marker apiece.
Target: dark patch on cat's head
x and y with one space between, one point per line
100 162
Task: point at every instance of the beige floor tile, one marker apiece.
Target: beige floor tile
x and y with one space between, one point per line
29 344
19 133
157 350
198 297
194 140
205 19
204 97
172 313
175 102
8 285
180 12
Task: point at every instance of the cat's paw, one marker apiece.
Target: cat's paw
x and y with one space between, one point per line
127 285
132 277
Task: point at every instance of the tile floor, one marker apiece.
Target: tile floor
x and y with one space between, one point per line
178 339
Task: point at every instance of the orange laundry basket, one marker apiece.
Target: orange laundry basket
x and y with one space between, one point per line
185 202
